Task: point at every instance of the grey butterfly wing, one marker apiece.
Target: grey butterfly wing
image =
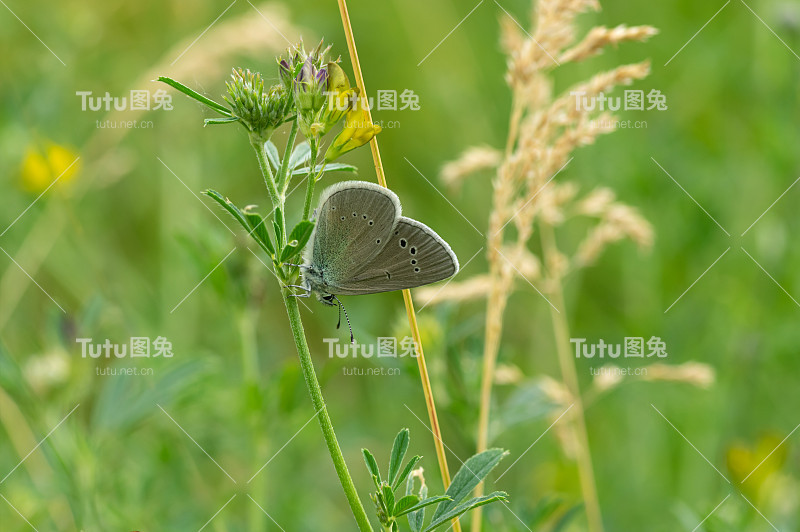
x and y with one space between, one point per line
354 221
414 255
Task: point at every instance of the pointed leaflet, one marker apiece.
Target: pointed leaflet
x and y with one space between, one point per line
372 465
251 222
272 154
405 504
224 120
419 505
328 167
277 227
469 505
228 205
388 498
399 449
221 109
300 155
258 230
297 239
470 475
407 471
417 518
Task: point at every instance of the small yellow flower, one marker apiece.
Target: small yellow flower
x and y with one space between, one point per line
358 130
340 98
40 167
756 463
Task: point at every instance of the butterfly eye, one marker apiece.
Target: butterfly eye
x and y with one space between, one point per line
371 222
354 215
413 261
416 270
413 251
342 218
403 242
364 216
378 241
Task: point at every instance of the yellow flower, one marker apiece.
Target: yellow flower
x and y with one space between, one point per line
340 98
358 130
40 167
756 463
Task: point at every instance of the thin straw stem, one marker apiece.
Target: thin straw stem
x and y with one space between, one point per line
412 317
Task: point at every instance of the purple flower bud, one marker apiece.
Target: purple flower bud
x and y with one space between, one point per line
306 74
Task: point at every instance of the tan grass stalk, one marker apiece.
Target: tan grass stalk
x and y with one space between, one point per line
600 37
543 132
477 287
409 304
570 375
471 161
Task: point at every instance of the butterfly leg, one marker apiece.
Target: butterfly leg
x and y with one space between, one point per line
306 294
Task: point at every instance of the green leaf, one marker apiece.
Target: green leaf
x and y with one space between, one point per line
297 239
417 518
214 121
250 221
531 400
405 505
399 448
465 507
302 231
388 498
470 475
258 230
196 96
229 206
407 471
276 227
330 167
300 155
421 504
372 465
272 154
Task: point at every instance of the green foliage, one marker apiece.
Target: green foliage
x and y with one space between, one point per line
211 104
450 505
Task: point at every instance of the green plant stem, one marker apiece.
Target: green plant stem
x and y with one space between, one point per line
311 180
283 172
322 412
269 179
570 375
306 363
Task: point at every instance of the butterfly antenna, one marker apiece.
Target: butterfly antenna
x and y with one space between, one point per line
341 308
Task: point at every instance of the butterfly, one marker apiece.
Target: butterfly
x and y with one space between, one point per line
361 244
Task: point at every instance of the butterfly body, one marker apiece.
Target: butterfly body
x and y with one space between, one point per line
363 245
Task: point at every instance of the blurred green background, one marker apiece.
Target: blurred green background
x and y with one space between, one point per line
122 239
